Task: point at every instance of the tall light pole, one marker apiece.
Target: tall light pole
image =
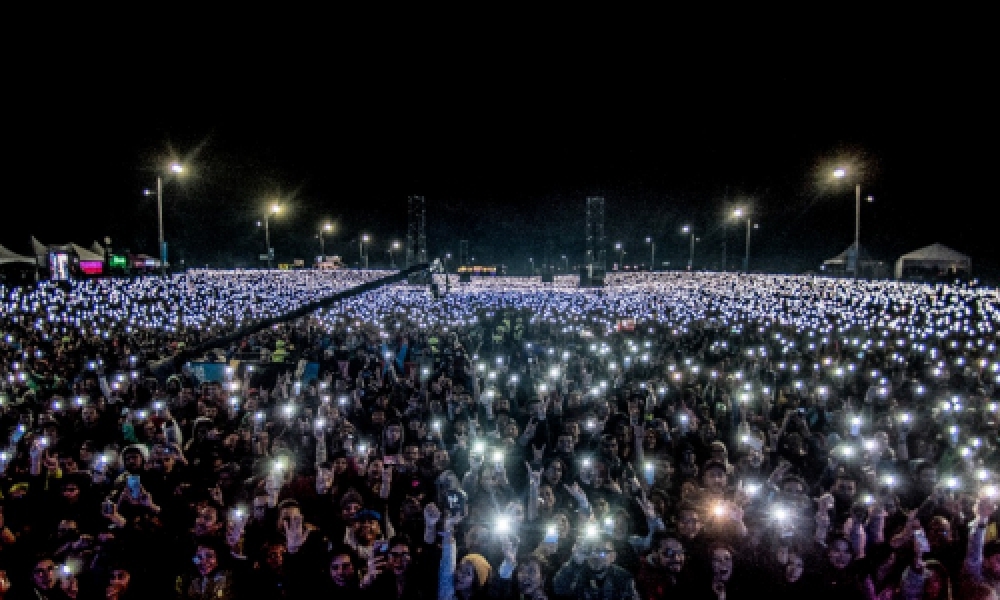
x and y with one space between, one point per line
327 227
565 264
652 253
531 266
739 213
840 174
688 229
272 210
447 257
393 246
363 256
173 168
620 247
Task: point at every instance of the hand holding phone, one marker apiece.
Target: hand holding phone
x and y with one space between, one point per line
134 486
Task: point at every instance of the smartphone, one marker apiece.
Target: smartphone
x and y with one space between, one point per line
107 508
922 544
380 547
170 434
133 485
802 411
551 535
456 501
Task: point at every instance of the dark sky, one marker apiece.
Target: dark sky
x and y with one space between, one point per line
505 138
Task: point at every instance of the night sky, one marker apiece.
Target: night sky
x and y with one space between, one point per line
505 141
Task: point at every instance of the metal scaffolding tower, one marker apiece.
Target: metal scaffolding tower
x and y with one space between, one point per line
416 231
592 272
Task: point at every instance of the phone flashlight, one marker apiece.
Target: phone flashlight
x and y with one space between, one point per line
498 457
503 524
479 448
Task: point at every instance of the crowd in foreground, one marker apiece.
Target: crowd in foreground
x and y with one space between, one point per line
670 435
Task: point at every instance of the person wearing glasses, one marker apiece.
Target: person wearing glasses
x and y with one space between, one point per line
663 573
590 574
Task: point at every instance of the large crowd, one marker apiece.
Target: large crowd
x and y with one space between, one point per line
666 435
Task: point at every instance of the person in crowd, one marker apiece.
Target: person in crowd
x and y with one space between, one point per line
591 573
837 492
662 573
343 579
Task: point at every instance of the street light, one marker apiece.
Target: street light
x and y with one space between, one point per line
840 173
363 256
738 214
447 257
565 264
393 246
652 253
173 168
531 266
273 210
688 229
620 247
327 227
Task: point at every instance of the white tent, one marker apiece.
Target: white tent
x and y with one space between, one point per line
8 257
42 251
936 259
844 264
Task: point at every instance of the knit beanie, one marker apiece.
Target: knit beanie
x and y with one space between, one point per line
481 565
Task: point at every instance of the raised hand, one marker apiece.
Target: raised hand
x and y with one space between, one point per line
295 533
985 507
576 492
647 508
538 454
509 551
534 477
432 514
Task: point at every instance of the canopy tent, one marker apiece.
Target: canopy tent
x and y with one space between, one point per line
933 260
8 257
844 264
98 249
42 251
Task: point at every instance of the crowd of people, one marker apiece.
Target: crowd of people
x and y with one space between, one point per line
667 435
